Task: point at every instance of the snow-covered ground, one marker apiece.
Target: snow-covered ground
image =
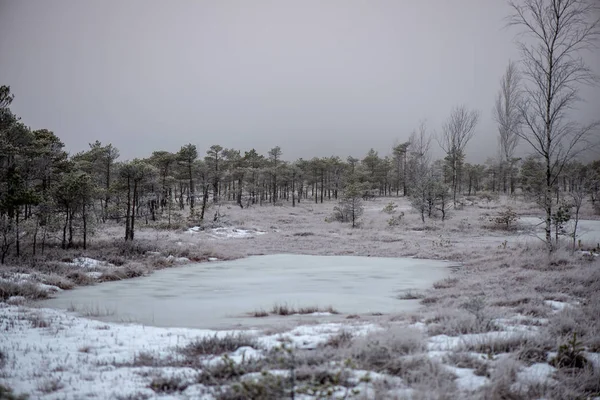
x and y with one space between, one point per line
50 354
227 232
55 355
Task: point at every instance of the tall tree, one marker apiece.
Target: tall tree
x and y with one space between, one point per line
186 157
400 152
554 35
274 158
457 131
73 194
507 114
214 157
99 162
164 162
133 175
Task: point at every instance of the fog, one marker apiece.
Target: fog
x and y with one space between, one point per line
315 78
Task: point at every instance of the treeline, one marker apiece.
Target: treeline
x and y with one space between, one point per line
48 197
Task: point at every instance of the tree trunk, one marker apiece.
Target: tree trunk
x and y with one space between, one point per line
322 187
204 201
71 229
239 192
35 233
192 192
548 206
128 212
133 209
293 189
44 240
84 218
64 235
18 239
107 197
577 207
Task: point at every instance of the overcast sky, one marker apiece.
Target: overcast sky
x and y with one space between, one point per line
314 77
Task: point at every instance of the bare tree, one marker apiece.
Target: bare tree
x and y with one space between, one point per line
507 114
456 133
555 32
419 169
420 142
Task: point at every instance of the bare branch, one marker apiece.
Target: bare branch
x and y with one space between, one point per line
555 32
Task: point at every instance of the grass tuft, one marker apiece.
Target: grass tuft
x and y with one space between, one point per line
50 386
410 295
218 344
168 385
342 339
260 313
285 310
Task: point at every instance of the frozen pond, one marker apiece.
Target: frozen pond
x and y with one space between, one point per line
588 231
221 295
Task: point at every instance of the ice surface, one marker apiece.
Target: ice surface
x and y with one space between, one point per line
220 295
588 231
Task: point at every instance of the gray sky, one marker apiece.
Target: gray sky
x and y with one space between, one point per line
314 77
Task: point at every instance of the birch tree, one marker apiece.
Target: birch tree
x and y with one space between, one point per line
507 114
554 35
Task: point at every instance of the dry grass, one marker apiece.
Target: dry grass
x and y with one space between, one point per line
505 343
341 339
26 289
267 386
168 384
410 295
455 322
469 360
51 386
259 313
381 351
284 309
218 344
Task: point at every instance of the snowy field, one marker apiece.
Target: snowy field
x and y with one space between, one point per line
53 355
492 328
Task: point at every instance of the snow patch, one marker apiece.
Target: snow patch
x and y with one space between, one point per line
245 353
536 373
49 288
467 380
448 343
593 358
558 305
310 337
227 232
234 233
92 356
16 300
94 274
86 262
